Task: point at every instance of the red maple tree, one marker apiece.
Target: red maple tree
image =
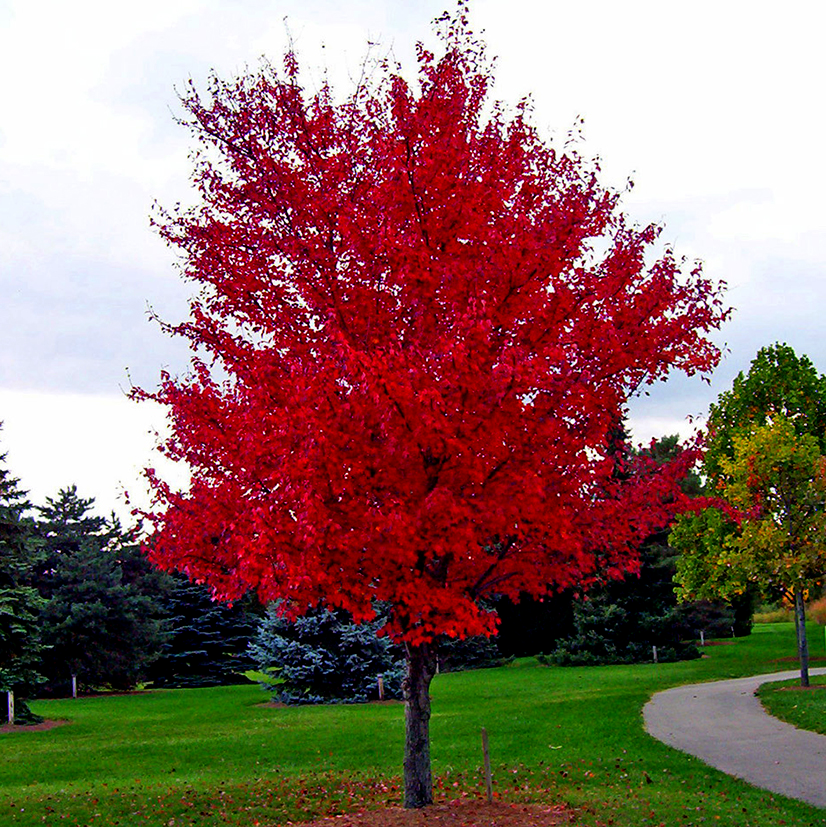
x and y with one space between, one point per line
416 325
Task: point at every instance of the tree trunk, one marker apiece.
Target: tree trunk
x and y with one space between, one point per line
802 644
418 781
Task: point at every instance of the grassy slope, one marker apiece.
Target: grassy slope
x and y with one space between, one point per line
216 756
804 709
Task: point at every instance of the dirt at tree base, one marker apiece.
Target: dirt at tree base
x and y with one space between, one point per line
41 727
460 813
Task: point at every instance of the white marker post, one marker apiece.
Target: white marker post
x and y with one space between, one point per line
10 695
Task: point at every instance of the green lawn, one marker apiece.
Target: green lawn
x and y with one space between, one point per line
805 708
218 756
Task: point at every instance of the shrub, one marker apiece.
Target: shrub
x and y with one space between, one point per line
773 614
817 611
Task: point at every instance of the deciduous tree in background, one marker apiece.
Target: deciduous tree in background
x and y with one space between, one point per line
764 437
414 328
776 481
778 381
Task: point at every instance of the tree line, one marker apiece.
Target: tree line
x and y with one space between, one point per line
79 599
80 604
81 608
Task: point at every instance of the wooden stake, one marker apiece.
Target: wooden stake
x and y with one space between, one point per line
486 753
381 688
654 649
702 638
11 706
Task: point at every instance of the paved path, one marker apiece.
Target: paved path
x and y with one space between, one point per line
724 724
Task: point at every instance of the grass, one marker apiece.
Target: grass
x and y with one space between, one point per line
803 708
218 756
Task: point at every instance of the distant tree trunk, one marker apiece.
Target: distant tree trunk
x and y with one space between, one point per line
418 781
802 644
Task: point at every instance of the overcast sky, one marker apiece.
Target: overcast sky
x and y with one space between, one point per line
715 109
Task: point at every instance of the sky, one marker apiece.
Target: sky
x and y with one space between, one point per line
714 109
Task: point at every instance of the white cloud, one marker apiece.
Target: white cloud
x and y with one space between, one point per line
645 428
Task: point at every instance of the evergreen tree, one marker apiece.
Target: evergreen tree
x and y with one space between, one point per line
96 624
20 645
477 652
323 657
207 641
66 522
620 621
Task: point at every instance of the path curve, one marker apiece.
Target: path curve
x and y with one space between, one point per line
724 724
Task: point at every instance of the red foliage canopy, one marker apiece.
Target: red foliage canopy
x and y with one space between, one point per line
416 325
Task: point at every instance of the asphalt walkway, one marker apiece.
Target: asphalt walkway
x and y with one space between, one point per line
724 724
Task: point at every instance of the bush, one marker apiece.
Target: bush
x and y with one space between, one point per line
773 613
817 611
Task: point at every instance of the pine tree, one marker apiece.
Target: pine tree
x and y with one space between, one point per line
20 645
96 625
323 657
206 640
620 621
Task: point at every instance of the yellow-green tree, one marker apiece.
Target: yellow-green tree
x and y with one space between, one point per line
778 381
775 482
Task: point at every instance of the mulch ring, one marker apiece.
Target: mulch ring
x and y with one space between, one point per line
41 727
459 813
